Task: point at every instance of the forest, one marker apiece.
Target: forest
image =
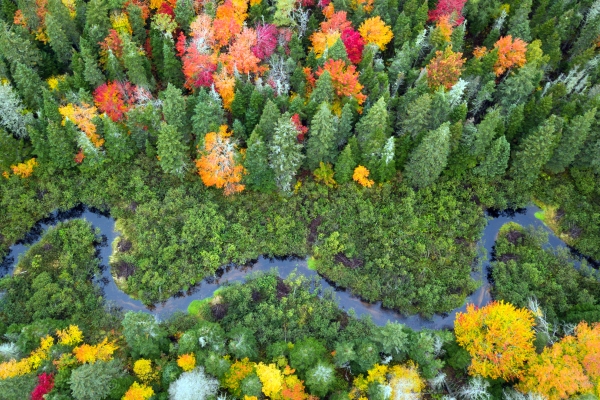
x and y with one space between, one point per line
375 138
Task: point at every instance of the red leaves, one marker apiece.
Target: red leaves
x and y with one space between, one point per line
354 44
299 127
45 385
266 41
111 42
114 98
448 7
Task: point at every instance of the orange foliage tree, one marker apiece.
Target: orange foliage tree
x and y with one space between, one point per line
187 362
236 374
113 98
217 166
510 53
344 78
82 117
138 392
568 368
225 86
361 175
374 30
444 69
91 353
24 169
499 338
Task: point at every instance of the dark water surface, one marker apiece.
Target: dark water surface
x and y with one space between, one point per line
345 299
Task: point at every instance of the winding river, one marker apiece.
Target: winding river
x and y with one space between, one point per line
345 299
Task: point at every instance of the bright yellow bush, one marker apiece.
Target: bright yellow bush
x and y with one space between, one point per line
142 368
271 378
71 336
91 353
138 392
13 368
187 362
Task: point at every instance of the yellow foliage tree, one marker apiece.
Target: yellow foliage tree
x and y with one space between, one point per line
13 368
91 353
499 338
71 336
24 170
138 392
271 378
361 175
187 362
403 381
237 372
142 368
82 117
374 30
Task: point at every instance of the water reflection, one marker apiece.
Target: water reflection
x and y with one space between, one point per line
345 299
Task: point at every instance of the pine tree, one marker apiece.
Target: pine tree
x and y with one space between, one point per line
61 143
17 47
137 22
402 31
417 118
59 41
345 165
172 152
208 114
134 63
535 151
260 175
573 137
97 22
239 105
173 106
323 92
114 69
13 116
344 126
387 166
372 135
337 51
496 160
171 65
518 24
91 72
321 142
119 145
29 85
268 121
485 132
285 153
429 159
254 109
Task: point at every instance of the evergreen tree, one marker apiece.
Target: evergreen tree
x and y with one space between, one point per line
285 153
496 160
18 48
268 121
344 126
119 145
417 118
573 137
337 51
402 31
59 41
485 132
323 92
372 135
321 142
254 109
387 166
239 105
172 152
208 114
518 24
29 85
173 106
134 63
260 175
536 149
171 65
184 13
97 22
91 73
138 25
114 69
61 144
345 165
429 159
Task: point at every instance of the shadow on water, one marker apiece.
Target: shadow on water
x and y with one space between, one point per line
228 274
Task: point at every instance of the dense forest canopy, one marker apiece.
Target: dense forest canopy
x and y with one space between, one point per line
370 135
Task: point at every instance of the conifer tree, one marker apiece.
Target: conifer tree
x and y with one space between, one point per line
171 65
496 159
485 132
268 121
134 63
402 31
119 145
260 175
29 86
323 92
15 47
345 165
138 25
571 142
184 13
535 151
61 144
97 22
91 72
321 142
208 114
172 152
429 159
254 109
518 24
239 105
337 51
387 166
372 134
59 41
285 153
173 106
417 118
344 126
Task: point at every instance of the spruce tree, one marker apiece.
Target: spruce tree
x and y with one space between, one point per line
15 47
97 22
254 109
372 134
61 143
260 175
239 105
134 63
337 51
402 31
138 25
173 106
496 160
323 91
172 151
485 132
417 118
268 121
208 114
429 159
573 137
118 143
344 126
91 72
387 165
285 153
171 65
345 165
29 86
59 41
113 67
518 24
535 151
320 146
184 13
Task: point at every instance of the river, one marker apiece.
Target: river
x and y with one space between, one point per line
345 299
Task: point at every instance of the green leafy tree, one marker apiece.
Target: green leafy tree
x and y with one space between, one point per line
172 151
496 159
306 354
285 153
392 338
260 175
242 344
95 381
320 146
571 142
429 159
143 334
320 379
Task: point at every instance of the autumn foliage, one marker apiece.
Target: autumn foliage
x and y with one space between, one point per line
24 169
452 8
445 69
138 392
217 165
567 368
374 30
13 368
114 99
44 386
82 116
91 353
344 78
187 362
361 175
511 53
499 338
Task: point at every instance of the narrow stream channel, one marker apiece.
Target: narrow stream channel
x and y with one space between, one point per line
345 299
